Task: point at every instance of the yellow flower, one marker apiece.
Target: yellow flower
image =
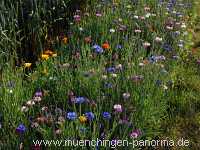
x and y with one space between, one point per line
27 65
82 119
45 56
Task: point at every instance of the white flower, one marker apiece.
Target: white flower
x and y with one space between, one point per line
24 109
120 19
165 87
126 95
136 17
183 25
80 29
138 31
30 103
146 44
158 39
169 27
141 64
148 15
119 67
114 75
104 77
37 99
112 30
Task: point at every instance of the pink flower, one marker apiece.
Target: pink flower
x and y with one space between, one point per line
135 133
98 14
77 18
118 108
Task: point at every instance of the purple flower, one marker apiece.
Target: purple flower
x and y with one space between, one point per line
21 129
89 115
71 115
38 94
106 115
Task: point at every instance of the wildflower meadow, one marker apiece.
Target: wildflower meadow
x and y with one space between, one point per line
122 71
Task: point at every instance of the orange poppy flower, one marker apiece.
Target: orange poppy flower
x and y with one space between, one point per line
65 40
106 46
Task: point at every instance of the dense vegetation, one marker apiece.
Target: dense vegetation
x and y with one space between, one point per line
110 70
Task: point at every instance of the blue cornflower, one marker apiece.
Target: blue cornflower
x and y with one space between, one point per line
158 82
111 69
167 47
80 100
98 49
119 46
89 115
108 85
71 115
21 129
106 115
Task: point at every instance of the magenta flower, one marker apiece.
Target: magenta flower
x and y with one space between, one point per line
118 108
135 133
